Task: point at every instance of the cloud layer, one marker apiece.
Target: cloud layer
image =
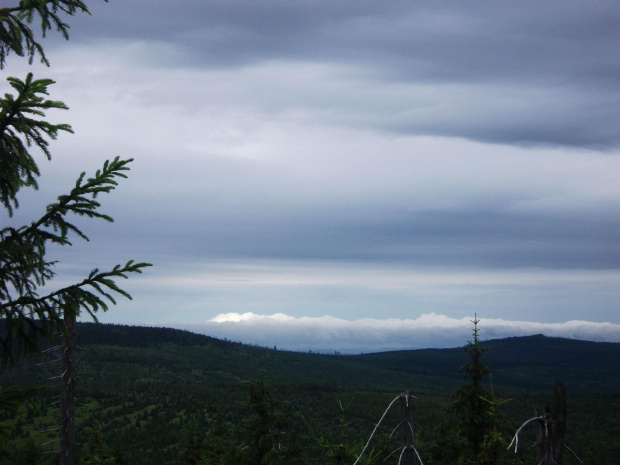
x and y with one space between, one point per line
504 73
381 160
328 334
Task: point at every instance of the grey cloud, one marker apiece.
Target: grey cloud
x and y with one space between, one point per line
565 51
455 39
283 131
459 238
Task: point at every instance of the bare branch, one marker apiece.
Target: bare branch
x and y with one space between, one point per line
571 451
376 427
515 439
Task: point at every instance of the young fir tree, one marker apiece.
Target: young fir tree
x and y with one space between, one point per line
220 444
469 405
266 435
28 311
469 433
191 444
342 452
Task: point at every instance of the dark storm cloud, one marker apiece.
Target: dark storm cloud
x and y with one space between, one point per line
526 72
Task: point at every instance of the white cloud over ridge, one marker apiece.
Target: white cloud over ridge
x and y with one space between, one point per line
429 330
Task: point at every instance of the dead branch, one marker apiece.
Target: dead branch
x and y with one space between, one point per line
376 427
515 439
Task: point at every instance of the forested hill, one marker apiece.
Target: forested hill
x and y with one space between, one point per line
530 362
141 388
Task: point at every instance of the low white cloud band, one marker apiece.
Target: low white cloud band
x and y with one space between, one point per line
328 334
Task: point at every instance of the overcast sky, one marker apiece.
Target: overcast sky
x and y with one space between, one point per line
351 175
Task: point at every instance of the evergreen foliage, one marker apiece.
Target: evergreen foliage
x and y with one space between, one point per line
17 37
472 432
219 446
267 436
28 311
469 405
140 386
340 452
21 127
191 445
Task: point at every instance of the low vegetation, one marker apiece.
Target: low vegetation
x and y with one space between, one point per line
164 396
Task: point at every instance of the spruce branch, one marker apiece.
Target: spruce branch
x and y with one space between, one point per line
16 35
21 127
29 315
22 251
23 268
77 202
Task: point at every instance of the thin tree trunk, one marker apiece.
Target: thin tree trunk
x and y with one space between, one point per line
67 392
551 430
406 429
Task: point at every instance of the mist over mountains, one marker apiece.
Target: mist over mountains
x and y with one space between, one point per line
328 334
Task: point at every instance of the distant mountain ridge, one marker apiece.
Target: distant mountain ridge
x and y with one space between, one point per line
524 362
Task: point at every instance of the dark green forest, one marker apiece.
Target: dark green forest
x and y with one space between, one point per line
165 396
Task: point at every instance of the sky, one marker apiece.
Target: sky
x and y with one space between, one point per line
351 175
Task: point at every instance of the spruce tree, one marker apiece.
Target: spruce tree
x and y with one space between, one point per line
465 433
469 406
28 310
267 434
